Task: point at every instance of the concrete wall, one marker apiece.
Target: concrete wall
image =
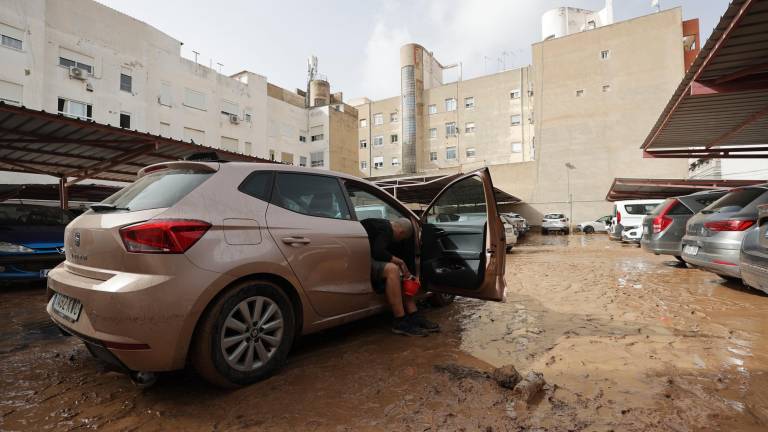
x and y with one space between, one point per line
600 130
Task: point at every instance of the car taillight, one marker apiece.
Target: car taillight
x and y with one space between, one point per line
563 220
729 225
618 217
662 221
169 236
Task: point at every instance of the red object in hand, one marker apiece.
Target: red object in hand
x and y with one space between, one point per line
411 286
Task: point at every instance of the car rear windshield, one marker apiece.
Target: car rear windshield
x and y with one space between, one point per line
738 199
639 209
554 216
33 215
159 189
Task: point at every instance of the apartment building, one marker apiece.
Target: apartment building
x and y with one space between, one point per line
434 125
83 59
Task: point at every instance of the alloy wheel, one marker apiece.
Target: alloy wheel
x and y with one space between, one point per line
252 333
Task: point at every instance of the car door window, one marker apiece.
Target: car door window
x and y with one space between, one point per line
309 194
462 204
367 205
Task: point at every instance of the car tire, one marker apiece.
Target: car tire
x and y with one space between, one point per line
680 259
509 249
544 232
441 300
732 279
588 229
268 345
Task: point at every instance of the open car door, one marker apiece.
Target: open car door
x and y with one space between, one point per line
462 240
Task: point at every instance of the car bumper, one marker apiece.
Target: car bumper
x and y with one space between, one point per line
631 236
144 321
27 267
714 260
754 267
660 247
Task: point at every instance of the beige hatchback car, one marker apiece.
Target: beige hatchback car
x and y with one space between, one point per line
223 265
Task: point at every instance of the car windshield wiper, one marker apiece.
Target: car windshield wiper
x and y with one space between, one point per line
100 207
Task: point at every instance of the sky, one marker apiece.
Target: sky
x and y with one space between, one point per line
357 41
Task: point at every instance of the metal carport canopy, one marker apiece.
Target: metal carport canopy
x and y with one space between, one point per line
422 189
74 150
50 192
637 188
720 109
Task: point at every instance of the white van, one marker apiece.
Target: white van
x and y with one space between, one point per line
628 216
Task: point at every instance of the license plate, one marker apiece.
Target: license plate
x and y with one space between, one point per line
44 273
67 307
691 249
645 230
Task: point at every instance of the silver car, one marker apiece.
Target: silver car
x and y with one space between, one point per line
664 228
754 253
600 225
554 222
713 237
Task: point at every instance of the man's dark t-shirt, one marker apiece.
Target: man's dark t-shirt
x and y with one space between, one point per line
381 237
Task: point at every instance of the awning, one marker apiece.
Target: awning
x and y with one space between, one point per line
422 189
720 109
50 192
72 149
634 188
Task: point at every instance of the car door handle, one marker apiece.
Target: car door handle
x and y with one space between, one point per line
296 240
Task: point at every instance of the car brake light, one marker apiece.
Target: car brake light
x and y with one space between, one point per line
729 225
169 236
618 217
662 221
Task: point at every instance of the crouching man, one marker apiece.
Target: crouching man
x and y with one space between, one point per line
387 271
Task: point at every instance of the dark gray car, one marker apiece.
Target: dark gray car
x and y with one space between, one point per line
754 253
664 228
713 237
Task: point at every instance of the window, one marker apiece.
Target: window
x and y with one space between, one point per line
469 127
75 109
272 155
463 202
67 63
194 99
229 144
450 153
394 117
471 152
302 138
378 119
363 123
514 94
247 117
395 161
369 204
165 94
517 147
605 54
432 133
229 108
11 42
11 93
194 135
515 119
450 104
258 184
302 161
312 195
450 129
606 88
432 156
469 102
248 148
432 109
378 162
158 189
363 165
125 120
318 137
317 159
126 83
393 138
579 93
378 141
286 158
363 143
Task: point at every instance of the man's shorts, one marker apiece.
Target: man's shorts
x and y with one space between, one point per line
377 276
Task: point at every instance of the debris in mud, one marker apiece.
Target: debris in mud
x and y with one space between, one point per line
461 372
506 376
530 386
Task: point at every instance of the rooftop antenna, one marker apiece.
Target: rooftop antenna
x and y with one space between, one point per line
312 67
196 54
220 66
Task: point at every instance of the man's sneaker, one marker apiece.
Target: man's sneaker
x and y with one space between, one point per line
419 321
404 326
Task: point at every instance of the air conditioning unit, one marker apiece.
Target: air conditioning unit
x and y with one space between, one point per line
234 119
77 73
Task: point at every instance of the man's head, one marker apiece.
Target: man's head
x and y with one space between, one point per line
402 229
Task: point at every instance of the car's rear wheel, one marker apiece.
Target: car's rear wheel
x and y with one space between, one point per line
245 335
680 259
588 229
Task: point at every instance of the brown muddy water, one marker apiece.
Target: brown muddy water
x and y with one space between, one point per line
626 341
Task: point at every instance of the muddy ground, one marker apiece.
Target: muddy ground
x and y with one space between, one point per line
626 341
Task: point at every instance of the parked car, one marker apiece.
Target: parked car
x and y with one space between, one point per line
510 233
554 222
754 253
31 240
600 225
713 237
628 215
223 265
664 228
518 221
